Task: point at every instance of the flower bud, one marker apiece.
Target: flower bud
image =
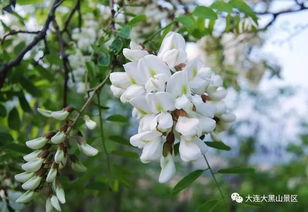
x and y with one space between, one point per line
58 138
55 203
32 155
25 197
37 143
78 167
48 206
33 165
52 174
24 176
167 168
88 149
89 123
60 194
60 115
32 183
59 156
46 113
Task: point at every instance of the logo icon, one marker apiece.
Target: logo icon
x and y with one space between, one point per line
236 197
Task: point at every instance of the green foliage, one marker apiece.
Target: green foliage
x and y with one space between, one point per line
218 145
186 181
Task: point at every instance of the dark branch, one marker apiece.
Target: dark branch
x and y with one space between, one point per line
65 61
67 22
275 15
40 36
18 32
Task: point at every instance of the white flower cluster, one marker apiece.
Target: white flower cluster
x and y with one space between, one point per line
176 101
45 163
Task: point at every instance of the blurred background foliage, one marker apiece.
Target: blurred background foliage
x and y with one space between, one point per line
225 34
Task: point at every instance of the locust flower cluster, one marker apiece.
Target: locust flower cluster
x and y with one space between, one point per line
175 101
50 156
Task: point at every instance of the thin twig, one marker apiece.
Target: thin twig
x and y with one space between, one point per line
86 104
15 32
214 178
40 36
101 123
65 61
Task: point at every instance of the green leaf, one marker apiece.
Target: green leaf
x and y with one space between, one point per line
218 145
91 68
119 140
24 103
104 59
127 154
2 111
237 170
117 45
186 181
17 148
117 118
220 5
245 8
5 138
205 12
187 21
28 85
14 120
137 19
208 206
125 31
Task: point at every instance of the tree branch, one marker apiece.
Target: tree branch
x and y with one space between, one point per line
275 15
64 59
40 36
14 32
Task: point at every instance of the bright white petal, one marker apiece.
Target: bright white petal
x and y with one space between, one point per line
167 168
189 150
187 126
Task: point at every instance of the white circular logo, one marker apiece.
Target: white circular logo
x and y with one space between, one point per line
236 197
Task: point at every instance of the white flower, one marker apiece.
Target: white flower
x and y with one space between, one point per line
32 155
189 150
172 49
175 100
60 194
59 156
135 52
58 138
89 123
48 206
164 121
152 150
139 140
228 117
55 203
88 149
187 126
33 165
120 80
167 168
131 92
59 115
37 143
32 183
51 176
25 197
24 176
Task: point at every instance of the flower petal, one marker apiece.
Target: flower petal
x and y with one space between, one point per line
167 168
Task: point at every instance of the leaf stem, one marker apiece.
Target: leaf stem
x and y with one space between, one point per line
101 123
214 178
